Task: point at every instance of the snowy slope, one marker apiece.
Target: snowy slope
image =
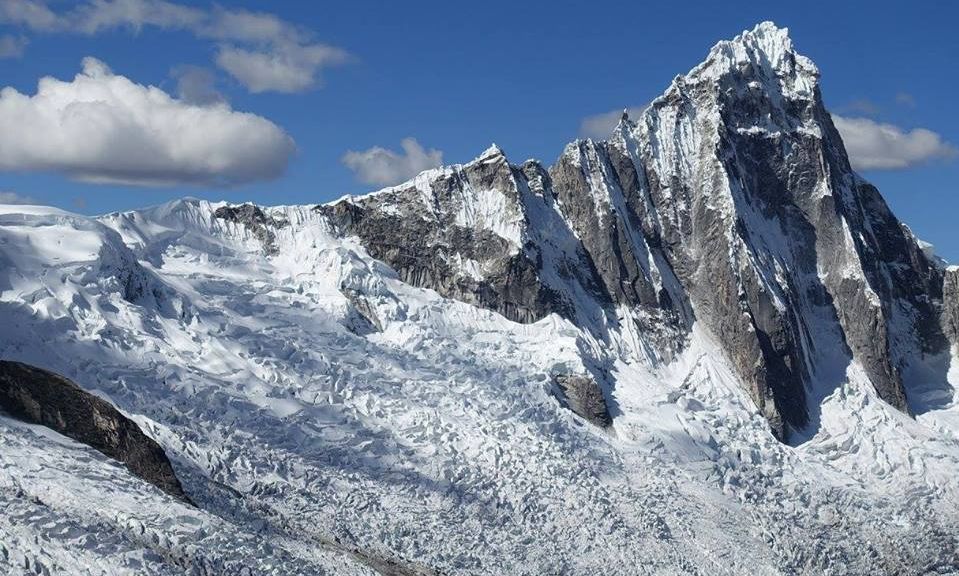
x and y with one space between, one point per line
328 417
435 443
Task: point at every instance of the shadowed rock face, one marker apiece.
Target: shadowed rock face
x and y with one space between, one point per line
362 318
254 220
730 202
441 233
597 191
522 241
41 397
585 398
951 304
768 227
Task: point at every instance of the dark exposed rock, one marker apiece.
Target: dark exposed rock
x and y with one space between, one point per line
805 238
42 397
418 229
724 263
255 220
585 398
602 229
423 240
362 318
950 301
596 187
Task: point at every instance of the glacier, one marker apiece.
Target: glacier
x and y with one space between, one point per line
370 386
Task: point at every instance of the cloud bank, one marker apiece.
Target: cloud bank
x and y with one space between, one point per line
103 127
385 167
874 145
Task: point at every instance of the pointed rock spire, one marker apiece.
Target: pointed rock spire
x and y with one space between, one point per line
491 152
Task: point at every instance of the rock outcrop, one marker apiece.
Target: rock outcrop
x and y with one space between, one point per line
255 220
463 231
362 318
950 300
584 397
42 397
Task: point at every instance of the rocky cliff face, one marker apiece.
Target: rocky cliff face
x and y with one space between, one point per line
769 229
255 221
467 232
42 397
730 202
951 304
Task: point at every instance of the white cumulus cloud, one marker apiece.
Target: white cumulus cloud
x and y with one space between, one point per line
103 127
384 167
600 126
875 145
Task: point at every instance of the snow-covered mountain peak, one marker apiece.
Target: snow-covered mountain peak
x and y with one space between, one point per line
491 152
763 58
768 39
731 202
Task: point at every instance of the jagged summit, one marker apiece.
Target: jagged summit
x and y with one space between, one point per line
730 203
766 46
766 39
759 60
492 151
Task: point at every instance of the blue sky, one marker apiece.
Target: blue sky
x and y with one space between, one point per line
455 77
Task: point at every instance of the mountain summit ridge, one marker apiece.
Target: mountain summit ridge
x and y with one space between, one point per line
766 45
734 178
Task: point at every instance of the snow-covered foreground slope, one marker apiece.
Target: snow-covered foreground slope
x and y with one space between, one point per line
313 441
